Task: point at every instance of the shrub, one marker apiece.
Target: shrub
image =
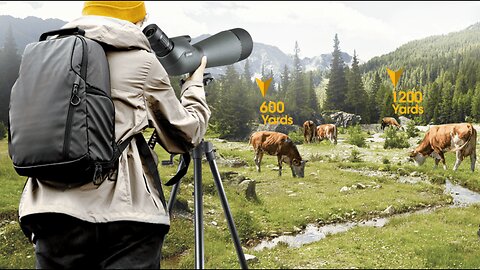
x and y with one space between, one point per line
296 136
3 131
356 137
355 156
385 160
395 139
412 130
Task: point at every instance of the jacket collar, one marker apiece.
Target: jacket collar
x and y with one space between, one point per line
118 33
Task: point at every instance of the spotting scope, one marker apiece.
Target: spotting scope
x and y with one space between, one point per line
179 57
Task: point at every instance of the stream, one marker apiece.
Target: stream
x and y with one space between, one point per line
462 197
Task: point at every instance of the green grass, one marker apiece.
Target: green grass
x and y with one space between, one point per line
11 185
286 202
15 251
443 239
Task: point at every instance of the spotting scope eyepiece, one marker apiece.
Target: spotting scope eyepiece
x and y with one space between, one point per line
179 57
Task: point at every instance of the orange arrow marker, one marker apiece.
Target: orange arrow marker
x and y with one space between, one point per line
263 85
395 76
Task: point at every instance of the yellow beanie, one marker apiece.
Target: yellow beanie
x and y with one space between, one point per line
132 11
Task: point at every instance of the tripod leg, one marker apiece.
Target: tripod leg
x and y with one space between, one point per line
197 175
226 208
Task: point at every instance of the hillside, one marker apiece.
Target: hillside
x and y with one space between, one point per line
423 60
29 29
444 68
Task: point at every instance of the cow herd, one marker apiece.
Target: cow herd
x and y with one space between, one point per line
459 138
320 133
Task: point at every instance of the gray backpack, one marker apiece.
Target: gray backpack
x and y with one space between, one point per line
61 115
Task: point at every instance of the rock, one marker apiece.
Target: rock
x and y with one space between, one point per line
214 223
343 119
296 229
415 174
390 210
228 175
359 186
233 163
404 120
247 188
344 189
181 205
251 258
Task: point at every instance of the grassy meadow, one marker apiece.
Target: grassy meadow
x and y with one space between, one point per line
444 238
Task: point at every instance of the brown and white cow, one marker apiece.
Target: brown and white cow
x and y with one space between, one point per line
390 121
327 131
309 131
458 138
280 145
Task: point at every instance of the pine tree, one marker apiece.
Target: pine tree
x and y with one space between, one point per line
337 85
296 94
312 95
373 108
285 81
356 98
233 116
9 66
247 73
475 111
446 108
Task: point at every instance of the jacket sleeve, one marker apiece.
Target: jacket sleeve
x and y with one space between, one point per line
180 124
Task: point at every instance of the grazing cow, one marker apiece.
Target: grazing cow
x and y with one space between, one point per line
309 131
458 138
327 131
280 145
390 121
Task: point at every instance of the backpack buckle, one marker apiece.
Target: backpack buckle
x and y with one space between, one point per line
97 175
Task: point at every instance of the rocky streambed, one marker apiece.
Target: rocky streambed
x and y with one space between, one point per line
462 197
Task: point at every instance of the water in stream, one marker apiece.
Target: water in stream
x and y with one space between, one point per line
462 197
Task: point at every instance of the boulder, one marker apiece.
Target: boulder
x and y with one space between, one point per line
343 119
251 258
404 120
248 188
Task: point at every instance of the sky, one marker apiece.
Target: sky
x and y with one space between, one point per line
370 28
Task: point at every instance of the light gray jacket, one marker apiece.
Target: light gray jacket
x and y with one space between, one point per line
143 97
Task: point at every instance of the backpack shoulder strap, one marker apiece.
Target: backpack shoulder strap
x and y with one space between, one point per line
147 157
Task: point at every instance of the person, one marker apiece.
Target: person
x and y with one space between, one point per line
122 222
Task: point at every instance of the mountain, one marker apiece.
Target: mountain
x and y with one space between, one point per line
29 29
272 58
26 30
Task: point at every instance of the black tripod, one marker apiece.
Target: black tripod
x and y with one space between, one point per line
203 148
207 149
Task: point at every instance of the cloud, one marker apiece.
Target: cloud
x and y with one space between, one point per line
35 5
371 28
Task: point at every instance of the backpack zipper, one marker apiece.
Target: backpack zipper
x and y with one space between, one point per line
74 101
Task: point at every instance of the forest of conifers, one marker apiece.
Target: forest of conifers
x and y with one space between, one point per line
445 69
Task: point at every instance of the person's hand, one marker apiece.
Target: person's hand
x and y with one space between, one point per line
198 74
